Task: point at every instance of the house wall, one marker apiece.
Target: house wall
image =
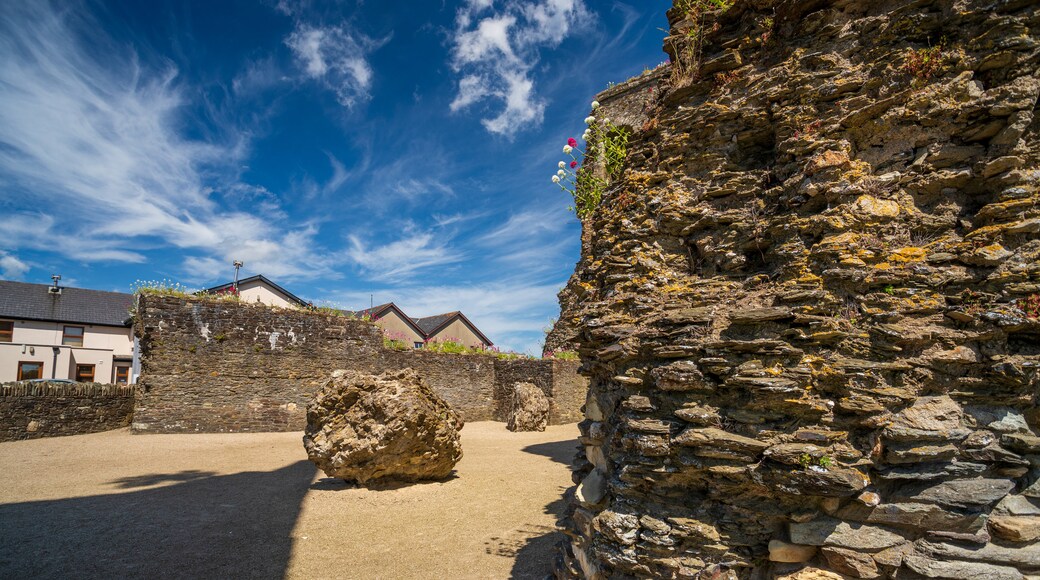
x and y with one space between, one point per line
225 366
257 291
32 341
458 331
396 327
34 410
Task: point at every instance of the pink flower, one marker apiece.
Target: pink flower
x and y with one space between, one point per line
574 164
572 142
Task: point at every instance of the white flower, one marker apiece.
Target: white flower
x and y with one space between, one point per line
556 178
585 136
561 165
590 120
567 149
595 105
561 173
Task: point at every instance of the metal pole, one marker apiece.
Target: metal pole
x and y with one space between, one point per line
238 264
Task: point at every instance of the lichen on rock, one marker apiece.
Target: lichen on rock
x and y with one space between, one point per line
805 304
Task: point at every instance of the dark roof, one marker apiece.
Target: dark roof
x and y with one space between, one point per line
431 324
22 301
263 279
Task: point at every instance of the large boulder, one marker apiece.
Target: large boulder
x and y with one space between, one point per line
386 428
530 409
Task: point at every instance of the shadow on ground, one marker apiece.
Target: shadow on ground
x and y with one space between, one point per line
535 553
559 451
535 548
201 526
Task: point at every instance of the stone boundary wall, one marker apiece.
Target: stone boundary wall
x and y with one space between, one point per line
35 410
225 366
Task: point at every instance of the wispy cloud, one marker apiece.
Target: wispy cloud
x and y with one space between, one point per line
11 267
495 51
398 260
99 147
337 57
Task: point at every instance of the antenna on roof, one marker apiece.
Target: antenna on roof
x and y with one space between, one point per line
55 289
237 264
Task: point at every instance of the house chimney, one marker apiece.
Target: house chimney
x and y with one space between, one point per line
55 289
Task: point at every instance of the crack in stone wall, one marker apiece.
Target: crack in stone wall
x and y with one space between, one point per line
805 307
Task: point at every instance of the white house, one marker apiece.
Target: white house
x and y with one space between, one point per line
51 332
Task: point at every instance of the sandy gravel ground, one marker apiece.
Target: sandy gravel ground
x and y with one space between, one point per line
115 505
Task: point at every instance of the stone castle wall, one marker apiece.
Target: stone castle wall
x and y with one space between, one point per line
214 366
34 410
809 307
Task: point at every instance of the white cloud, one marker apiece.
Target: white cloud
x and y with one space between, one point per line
337 57
11 267
403 258
94 160
495 51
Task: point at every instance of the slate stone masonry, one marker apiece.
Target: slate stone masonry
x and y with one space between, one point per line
226 366
34 410
809 306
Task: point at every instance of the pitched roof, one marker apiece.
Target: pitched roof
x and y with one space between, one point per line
377 312
23 301
261 278
374 311
431 324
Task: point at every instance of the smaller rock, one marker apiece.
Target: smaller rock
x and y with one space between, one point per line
530 409
1015 528
959 493
710 438
992 255
851 563
592 489
1021 442
894 556
760 315
867 205
832 532
812 574
869 498
780 551
930 568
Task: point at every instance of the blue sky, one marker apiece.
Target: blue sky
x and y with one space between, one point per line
343 149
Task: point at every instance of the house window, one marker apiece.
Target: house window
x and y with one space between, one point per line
30 370
122 375
85 373
72 336
419 344
6 331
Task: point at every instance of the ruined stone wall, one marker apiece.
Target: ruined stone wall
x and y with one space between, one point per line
536 372
468 383
216 365
34 410
809 307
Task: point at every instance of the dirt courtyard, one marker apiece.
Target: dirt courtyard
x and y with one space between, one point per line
116 505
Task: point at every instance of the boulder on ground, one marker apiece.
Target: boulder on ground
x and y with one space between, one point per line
387 428
530 409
